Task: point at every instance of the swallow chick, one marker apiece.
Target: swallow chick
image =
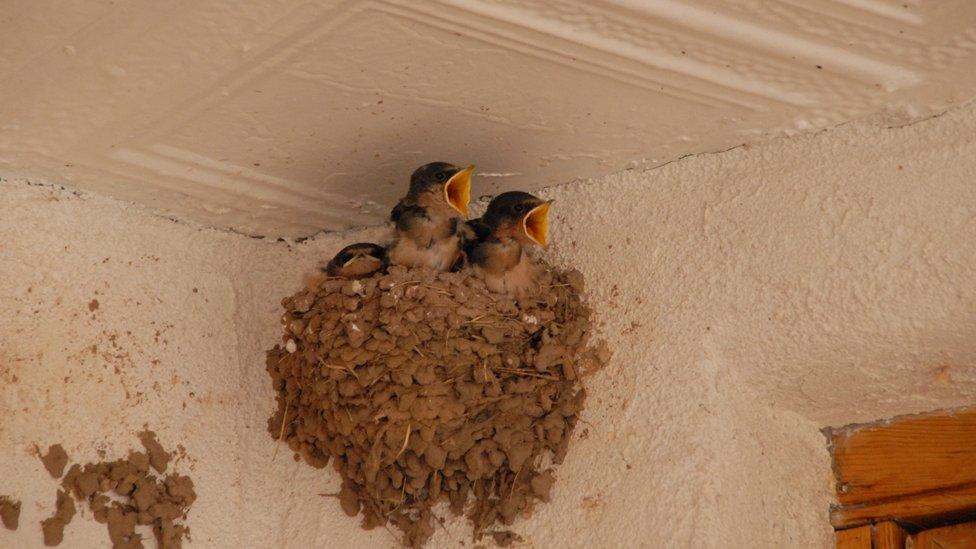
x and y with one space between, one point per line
429 217
358 260
512 221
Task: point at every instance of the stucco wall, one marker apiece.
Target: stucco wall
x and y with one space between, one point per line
751 297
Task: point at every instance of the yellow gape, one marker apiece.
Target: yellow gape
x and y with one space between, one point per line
536 224
457 190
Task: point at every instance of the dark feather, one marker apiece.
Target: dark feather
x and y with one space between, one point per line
477 254
479 228
473 232
405 214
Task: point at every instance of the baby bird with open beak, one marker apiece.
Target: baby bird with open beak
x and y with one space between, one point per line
429 217
512 221
358 260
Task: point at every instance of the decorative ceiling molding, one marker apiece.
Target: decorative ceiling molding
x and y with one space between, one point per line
284 117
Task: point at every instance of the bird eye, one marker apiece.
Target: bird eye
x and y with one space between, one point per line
519 208
440 176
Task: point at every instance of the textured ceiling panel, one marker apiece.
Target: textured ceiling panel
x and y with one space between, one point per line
286 117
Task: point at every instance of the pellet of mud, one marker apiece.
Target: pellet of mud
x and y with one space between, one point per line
9 512
54 460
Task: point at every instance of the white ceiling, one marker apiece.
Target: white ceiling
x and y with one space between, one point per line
286 117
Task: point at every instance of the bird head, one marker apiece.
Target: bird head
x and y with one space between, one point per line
521 216
444 183
357 260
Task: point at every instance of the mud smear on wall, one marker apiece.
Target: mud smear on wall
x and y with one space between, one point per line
9 512
55 460
121 494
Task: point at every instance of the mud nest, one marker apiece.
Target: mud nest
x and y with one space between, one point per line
425 387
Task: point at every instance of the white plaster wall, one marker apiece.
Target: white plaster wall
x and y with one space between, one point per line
751 297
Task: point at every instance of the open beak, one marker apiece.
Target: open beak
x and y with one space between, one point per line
457 190
536 224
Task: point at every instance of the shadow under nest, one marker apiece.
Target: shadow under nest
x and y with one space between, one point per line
423 387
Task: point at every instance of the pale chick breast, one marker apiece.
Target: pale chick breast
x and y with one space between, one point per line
432 242
520 281
440 255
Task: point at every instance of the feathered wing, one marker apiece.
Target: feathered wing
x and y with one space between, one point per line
469 234
473 232
411 220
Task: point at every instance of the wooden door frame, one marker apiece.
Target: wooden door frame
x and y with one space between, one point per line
897 477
